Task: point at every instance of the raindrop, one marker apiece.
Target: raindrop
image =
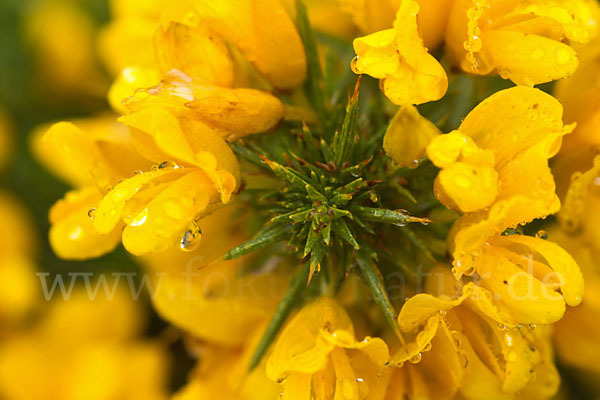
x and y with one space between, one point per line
531 326
138 172
501 326
463 359
167 164
541 234
91 213
416 358
191 238
427 347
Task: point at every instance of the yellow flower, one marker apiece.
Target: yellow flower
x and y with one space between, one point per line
317 353
460 347
91 156
372 16
159 206
482 175
84 349
18 283
481 163
62 37
195 89
525 41
408 73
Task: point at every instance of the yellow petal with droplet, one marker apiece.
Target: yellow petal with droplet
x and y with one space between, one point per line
164 219
127 82
529 59
72 234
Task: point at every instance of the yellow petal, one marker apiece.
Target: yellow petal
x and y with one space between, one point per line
213 304
72 234
298 349
264 33
110 209
408 136
564 266
512 120
529 59
163 221
410 75
419 308
80 154
127 82
236 112
376 54
530 301
471 187
297 387
195 52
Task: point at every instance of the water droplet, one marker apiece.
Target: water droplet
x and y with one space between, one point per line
463 359
154 168
416 358
191 238
109 189
541 234
139 218
427 347
531 326
138 172
91 213
167 164
456 338
353 65
501 326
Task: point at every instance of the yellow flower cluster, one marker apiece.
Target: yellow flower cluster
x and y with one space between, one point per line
180 168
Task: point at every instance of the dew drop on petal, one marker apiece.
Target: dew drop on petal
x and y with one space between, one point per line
91 213
191 238
463 359
541 234
416 358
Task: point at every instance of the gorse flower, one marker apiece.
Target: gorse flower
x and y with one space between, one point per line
397 56
311 209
